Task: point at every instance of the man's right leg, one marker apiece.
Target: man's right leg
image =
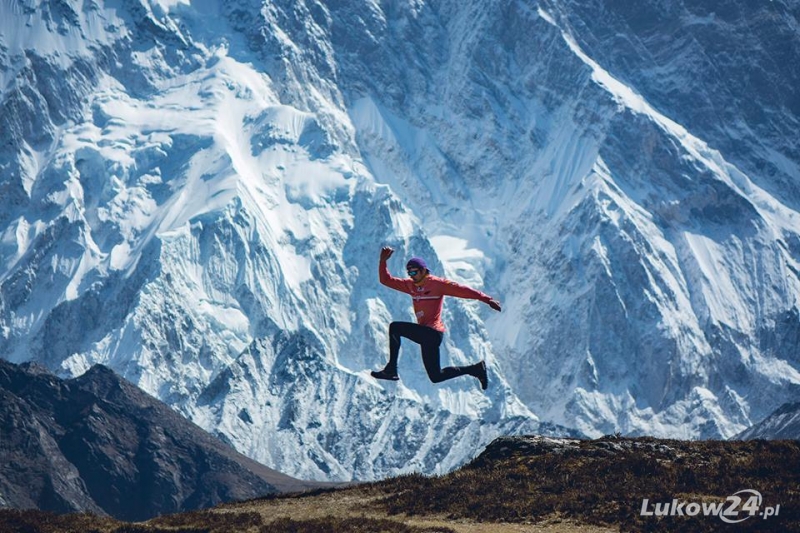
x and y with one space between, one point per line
396 330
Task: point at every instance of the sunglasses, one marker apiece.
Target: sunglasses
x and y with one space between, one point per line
412 273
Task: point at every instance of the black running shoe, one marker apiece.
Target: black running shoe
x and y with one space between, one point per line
383 374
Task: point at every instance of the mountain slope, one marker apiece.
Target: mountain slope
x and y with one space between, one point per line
725 71
197 193
784 423
97 443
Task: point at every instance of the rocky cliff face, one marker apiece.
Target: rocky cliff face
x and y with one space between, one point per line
197 193
96 443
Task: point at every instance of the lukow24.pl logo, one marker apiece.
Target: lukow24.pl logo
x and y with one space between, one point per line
742 505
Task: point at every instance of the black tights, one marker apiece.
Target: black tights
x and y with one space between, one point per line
429 341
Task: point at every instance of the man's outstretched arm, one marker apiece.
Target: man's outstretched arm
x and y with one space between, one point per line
384 276
451 288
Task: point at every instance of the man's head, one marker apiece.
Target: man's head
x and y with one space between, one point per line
416 268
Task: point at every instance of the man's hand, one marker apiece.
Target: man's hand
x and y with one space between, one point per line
494 304
386 253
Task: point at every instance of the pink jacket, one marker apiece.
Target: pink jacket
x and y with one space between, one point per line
429 295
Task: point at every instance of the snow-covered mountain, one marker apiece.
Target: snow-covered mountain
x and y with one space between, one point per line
194 193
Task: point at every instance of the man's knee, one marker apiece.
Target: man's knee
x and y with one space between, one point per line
436 378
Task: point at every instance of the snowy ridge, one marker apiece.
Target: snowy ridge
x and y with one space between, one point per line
196 194
784 423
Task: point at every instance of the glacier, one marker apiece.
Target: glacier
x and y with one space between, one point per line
195 192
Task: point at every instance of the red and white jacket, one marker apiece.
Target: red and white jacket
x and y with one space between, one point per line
428 295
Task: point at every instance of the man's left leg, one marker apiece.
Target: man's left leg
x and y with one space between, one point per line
431 359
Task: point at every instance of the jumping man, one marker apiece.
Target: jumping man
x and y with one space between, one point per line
427 292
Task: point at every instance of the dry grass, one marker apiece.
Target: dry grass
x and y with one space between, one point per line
603 482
